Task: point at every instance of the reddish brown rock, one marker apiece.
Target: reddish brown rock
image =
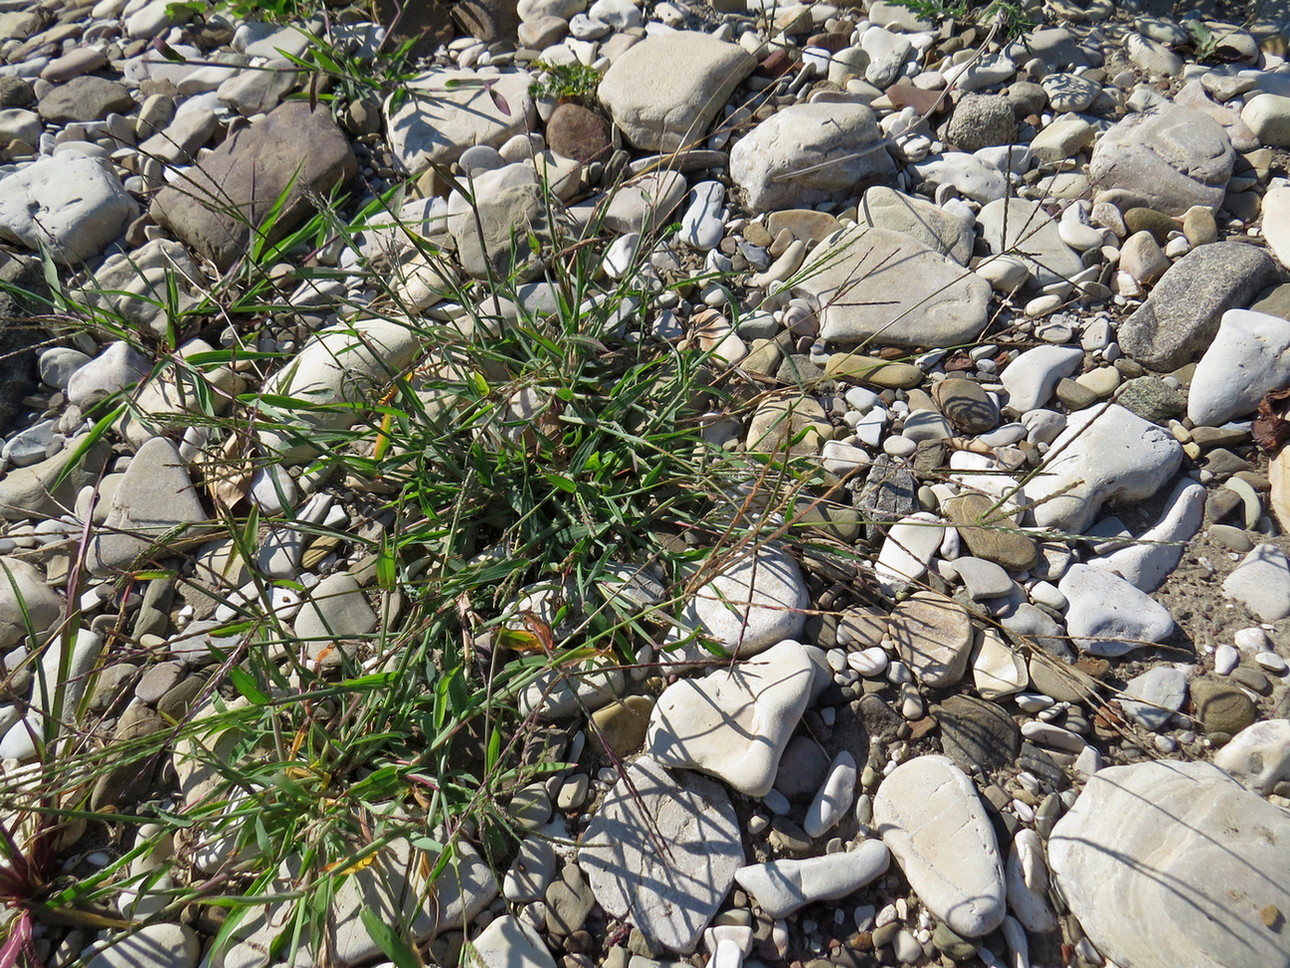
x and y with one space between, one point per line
579 133
213 208
903 94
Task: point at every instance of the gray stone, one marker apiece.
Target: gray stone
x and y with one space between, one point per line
736 722
809 153
87 98
948 232
151 946
31 492
662 110
220 205
643 204
784 886
23 588
1168 160
1023 229
1108 616
339 366
933 636
981 121
393 888
1138 856
155 502
336 609
441 113
1032 377
136 286
1261 582
1152 698
754 600
23 292
976 734
72 204
1179 320
872 283
662 852
1105 453
929 815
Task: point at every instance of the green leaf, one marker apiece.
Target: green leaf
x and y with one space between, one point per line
562 482
245 683
395 948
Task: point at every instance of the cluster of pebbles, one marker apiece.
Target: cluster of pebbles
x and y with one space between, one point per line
1020 298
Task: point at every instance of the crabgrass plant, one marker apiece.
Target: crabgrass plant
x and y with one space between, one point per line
532 492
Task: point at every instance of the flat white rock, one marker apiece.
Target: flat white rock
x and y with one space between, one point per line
1259 755
1167 863
908 548
1032 377
834 797
735 723
1261 582
508 942
662 852
1146 562
1249 356
929 815
72 204
1105 453
753 600
783 886
1108 616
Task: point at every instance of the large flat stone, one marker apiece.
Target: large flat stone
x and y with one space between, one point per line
223 204
1105 453
439 114
662 852
930 817
735 723
1168 864
665 91
875 285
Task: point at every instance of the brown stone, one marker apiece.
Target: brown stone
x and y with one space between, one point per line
214 207
621 725
1222 707
902 94
428 23
994 541
578 133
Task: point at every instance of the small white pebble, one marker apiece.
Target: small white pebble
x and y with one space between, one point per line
1271 662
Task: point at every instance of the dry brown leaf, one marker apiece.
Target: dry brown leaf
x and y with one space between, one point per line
228 477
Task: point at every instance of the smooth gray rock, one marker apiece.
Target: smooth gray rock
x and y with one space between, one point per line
1107 615
929 815
752 602
1169 160
784 886
1250 355
23 588
662 851
1105 453
665 109
809 153
1023 229
735 723
336 609
72 204
1032 377
948 232
161 945
155 500
1181 317
337 367
875 284
1261 582
1152 698
136 286
1139 857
